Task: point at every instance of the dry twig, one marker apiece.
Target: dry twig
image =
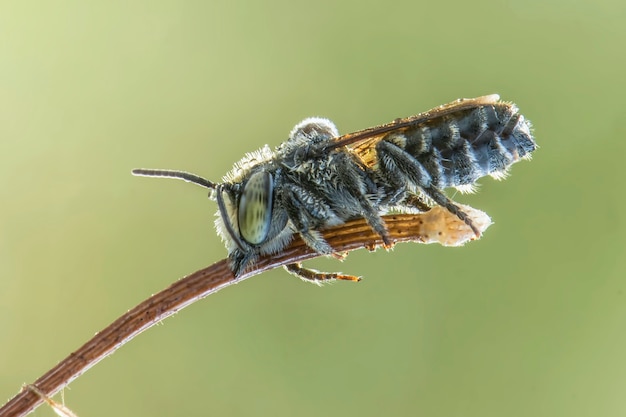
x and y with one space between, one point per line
437 225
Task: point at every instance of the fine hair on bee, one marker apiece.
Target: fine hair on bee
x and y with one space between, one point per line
318 179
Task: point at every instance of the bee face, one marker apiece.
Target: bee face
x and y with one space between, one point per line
317 179
267 192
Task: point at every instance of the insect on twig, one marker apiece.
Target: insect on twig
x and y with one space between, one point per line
318 179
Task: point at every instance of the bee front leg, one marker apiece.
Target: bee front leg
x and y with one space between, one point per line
240 260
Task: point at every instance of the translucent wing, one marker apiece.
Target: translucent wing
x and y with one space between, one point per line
362 143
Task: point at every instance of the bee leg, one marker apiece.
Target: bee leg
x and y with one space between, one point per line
400 168
315 276
306 211
240 260
377 224
315 241
440 198
355 184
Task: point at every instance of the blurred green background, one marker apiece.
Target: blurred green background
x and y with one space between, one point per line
528 321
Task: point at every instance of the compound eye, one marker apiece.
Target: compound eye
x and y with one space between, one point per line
255 208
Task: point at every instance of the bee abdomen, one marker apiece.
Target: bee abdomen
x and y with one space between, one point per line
460 148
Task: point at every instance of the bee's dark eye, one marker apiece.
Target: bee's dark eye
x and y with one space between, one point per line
255 208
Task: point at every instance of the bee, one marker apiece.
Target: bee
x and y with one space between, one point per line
318 179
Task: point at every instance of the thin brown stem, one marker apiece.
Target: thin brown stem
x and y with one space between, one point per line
436 225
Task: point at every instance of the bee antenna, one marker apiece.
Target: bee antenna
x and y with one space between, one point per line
224 213
181 175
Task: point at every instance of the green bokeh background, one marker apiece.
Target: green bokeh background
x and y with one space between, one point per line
528 321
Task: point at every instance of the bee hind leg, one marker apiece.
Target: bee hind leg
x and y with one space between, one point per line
399 168
441 199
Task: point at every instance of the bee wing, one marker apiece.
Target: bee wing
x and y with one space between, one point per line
362 143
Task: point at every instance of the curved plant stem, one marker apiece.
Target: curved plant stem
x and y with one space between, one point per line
436 225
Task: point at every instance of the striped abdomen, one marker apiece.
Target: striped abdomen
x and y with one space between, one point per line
459 148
